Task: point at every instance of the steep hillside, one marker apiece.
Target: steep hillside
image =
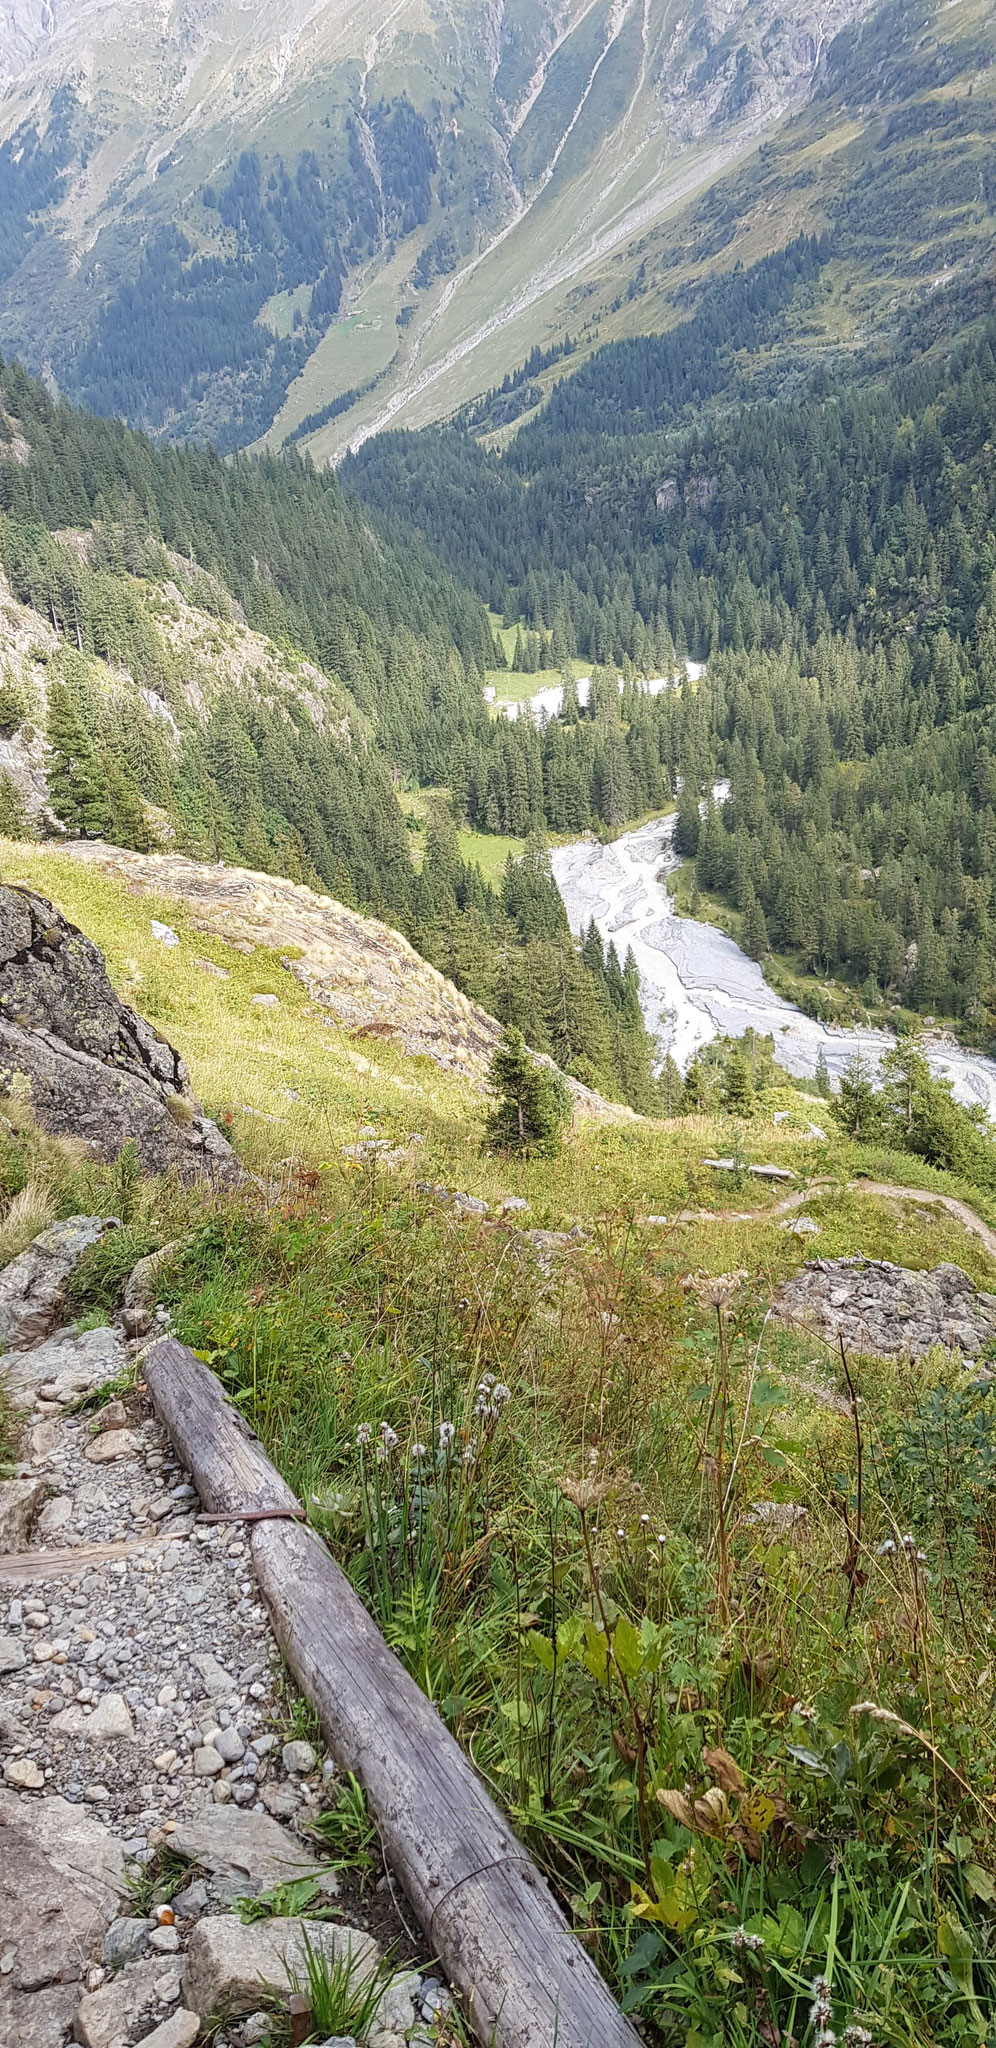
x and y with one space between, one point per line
685 1531
335 207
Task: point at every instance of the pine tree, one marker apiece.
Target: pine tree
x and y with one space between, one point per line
753 930
532 1105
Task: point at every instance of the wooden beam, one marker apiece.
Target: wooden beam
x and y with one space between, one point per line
524 1979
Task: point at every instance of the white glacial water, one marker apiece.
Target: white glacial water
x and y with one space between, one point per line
548 702
695 983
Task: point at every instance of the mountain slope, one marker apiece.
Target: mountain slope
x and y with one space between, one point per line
312 204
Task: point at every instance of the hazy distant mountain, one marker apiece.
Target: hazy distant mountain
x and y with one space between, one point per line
233 221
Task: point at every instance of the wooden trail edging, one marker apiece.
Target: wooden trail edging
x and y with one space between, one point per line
487 1913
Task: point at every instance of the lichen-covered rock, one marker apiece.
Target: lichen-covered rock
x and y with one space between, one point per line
885 1310
96 1070
34 1286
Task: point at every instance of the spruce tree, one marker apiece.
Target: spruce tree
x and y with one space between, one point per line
532 1104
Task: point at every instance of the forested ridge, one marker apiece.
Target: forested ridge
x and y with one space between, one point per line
372 680
831 554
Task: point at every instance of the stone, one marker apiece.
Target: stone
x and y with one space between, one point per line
228 1963
55 1518
513 1205
882 1310
20 1501
125 1941
282 1801
215 1679
207 1762
142 1287
51 1919
97 1071
118 1443
179 2031
802 1226
114 1415
77 1845
111 1720
71 1364
33 1287
124 2007
12 1654
164 933
229 1744
299 1758
23 1772
396 2008
264 1002
247 1847
165 1941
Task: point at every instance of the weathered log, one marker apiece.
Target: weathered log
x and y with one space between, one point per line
525 1981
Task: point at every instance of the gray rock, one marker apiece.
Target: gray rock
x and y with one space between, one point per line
164 1941
229 1745
114 1444
76 1844
20 1500
216 1681
227 1963
802 1226
23 1773
282 1801
125 1941
75 1363
12 1654
396 2009
207 1762
33 1287
192 1901
299 1758
248 1847
111 1720
123 2008
882 1310
97 1070
179 2031
512 1205
50 1921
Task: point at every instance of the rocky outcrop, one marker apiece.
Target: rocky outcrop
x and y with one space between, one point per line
34 1287
96 1070
888 1311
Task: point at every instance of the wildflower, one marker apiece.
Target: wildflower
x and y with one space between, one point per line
662 1540
388 1437
886 1549
447 1432
909 1542
363 1434
470 1453
620 1535
417 1452
825 2038
857 2037
921 1557
500 1394
486 1382
644 1521
743 1940
819 2012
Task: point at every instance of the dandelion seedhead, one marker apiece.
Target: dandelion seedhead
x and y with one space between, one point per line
886 1549
857 2037
363 1435
753 1943
819 2011
447 1432
417 1453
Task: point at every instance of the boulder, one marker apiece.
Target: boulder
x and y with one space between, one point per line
52 1917
179 2031
97 1070
34 1287
228 1963
76 1844
249 1848
20 1502
127 2006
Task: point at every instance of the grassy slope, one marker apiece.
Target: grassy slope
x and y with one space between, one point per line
347 1297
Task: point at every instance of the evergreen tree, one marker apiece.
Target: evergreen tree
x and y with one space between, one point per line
532 1104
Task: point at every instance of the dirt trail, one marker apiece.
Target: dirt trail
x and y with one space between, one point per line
927 1197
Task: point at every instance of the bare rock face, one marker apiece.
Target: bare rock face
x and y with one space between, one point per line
56 1897
97 1071
885 1310
34 1290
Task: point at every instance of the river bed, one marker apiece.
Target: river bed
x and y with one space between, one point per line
696 984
